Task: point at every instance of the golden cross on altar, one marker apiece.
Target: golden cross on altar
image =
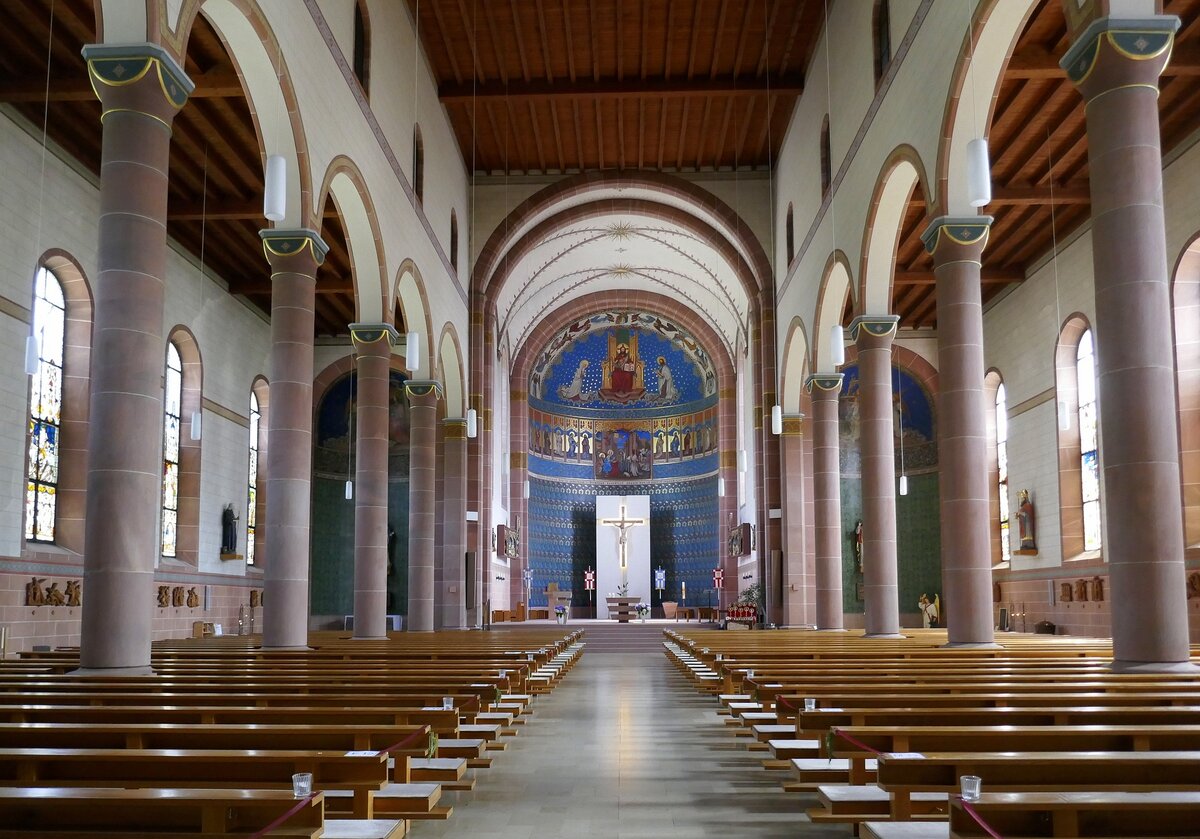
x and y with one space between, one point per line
623 524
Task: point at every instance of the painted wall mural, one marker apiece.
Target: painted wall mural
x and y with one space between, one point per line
623 403
912 422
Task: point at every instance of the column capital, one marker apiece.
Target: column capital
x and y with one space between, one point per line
380 337
878 327
279 244
423 389
141 78
824 384
793 425
957 238
1120 52
454 428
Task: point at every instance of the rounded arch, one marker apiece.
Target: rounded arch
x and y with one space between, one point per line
1070 469
257 56
902 173
256 502
360 61
837 287
450 366
986 47
795 367
1185 305
368 266
410 297
191 402
998 529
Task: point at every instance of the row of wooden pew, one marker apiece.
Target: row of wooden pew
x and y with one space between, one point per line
877 733
207 745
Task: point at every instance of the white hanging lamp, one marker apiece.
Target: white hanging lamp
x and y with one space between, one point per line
837 345
412 351
275 193
776 420
472 423
979 173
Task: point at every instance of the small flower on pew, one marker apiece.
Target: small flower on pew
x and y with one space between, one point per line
560 609
643 609
432 750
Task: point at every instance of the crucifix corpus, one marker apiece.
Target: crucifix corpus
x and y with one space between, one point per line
623 523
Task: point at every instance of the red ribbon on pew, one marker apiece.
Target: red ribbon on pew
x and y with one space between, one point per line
987 828
423 732
296 808
780 700
837 732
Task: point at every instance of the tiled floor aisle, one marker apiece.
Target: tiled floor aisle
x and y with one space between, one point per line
625 748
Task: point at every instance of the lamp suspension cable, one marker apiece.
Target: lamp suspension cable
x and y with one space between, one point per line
33 346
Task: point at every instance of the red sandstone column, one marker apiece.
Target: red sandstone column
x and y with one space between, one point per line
294 256
422 401
454 524
873 336
827 498
796 582
1116 65
141 88
957 245
373 344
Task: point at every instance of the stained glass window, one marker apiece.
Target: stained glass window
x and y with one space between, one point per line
45 408
1089 443
252 480
1002 464
172 398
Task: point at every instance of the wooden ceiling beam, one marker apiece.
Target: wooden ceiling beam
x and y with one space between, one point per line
468 22
516 18
446 44
991 276
1035 62
1017 196
611 88
223 84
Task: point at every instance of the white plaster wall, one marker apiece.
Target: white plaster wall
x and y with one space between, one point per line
233 339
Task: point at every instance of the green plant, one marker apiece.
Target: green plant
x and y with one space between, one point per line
752 596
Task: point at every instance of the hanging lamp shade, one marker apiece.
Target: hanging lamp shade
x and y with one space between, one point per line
721 487
472 423
275 194
32 355
525 489
979 173
776 420
837 345
412 351
1064 415
349 490
904 484
197 418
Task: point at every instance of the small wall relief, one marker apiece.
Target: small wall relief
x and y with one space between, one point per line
177 596
193 599
1065 593
1193 586
1081 591
38 595
164 596
1097 589
255 598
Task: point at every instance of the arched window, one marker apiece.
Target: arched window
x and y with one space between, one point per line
252 480
45 408
826 158
791 236
418 165
172 424
1002 471
883 39
453 240
1089 444
362 46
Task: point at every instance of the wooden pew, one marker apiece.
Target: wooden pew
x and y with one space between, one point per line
197 813
1092 814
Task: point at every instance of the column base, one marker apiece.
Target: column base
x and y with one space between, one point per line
831 629
369 637
1153 667
146 670
886 635
300 647
971 645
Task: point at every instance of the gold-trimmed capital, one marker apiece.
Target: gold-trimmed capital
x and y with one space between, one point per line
1120 52
793 425
824 383
957 237
365 335
282 244
137 78
873 326
454 428
423 388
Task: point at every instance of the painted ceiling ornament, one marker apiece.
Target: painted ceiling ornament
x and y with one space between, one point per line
621 230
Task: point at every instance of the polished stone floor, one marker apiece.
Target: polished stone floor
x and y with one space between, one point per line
625 748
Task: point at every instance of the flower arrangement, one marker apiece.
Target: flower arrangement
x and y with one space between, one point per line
643 609
560 609
623 590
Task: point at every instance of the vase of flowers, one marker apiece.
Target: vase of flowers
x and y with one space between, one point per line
560 613
643 609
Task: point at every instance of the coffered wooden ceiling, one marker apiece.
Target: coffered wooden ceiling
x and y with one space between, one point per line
569 85
1039 119
216 179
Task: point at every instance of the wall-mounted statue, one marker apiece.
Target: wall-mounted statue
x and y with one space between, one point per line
164 596
1064 593
1193 586
1097 589
1081 591
74 593
931 611
858 546
255 598
1026 521
34 594
228 530
193 599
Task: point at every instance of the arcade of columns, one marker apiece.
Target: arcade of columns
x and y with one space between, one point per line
1115 65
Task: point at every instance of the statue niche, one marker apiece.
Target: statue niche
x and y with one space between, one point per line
623 372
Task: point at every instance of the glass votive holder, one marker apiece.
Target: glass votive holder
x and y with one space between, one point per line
302 784
503 674
749 674
969 786
447 703
810 704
